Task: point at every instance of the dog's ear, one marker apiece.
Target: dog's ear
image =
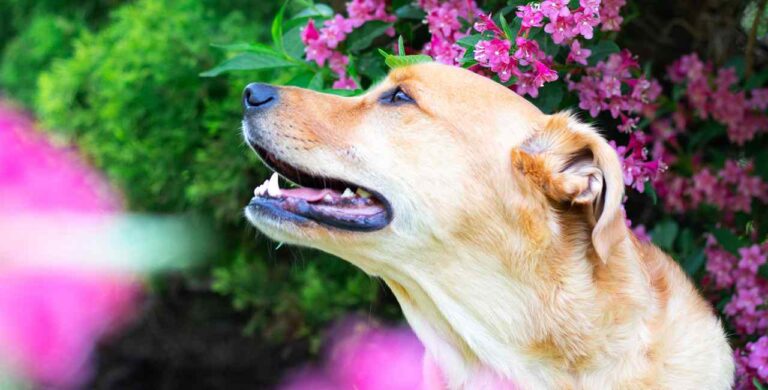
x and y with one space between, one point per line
572 164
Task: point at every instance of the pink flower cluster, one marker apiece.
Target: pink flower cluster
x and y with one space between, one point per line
443 20
610 14
740 273
732 189
322 45
559 21
712 95
753 362
531 67
634 158
603 88
524 59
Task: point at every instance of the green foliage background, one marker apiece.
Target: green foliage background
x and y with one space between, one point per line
120 81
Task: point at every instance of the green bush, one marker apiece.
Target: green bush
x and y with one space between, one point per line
45 38
131 98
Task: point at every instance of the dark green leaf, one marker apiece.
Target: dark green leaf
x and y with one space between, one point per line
693 262
362 37
758 385
601 51
248 61
664 234
648 190
410 11
371 66
705 133
757 80
728 240
550 96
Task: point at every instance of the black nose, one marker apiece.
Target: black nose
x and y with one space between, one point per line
259 96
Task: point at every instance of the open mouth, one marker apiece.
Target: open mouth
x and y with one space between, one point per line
330 202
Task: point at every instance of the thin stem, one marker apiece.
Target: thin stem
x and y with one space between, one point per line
750 50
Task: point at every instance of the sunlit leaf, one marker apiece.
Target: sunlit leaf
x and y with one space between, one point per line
248 61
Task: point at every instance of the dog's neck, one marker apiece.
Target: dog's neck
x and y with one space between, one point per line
480 309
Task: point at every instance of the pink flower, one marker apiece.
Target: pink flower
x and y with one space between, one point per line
345 83
527 50
364 356
584 23
609 14
555 9
590 6
578 54
759 99
51 319
758 357
634 160
560 29
493 53
751 258
485 23
335 30
309 33
526 84
543 73
530 15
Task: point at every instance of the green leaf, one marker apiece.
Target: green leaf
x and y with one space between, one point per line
728 240
693 262
470 41
758 385
316 84
248 61
550 96
410 11
292 43
370 65
648 190
400 46
277 28
505 26
601 51
243 46
664 234
362 37
398 61
316 10
704 134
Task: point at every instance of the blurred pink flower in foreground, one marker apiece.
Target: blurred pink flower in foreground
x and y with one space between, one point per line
50 320
363 356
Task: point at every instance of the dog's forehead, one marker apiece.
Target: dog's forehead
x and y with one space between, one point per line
434 74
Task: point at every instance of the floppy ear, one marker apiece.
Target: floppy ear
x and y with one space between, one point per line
571 163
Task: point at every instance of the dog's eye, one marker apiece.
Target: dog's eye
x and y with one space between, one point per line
396 96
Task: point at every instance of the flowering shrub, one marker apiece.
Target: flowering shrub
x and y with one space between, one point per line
690 139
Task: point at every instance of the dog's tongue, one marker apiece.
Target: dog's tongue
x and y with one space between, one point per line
309 194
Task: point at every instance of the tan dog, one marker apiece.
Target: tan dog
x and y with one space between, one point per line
498 228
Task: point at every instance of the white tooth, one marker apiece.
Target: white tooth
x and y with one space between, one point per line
328 198
273 187
347 193
363 193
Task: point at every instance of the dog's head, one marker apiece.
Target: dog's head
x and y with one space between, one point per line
431 156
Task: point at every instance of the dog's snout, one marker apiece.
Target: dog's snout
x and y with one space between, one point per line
259 96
